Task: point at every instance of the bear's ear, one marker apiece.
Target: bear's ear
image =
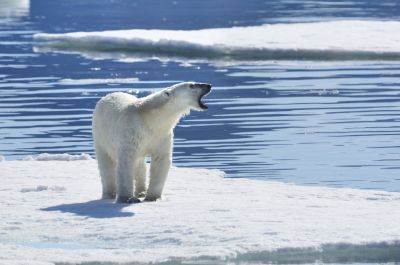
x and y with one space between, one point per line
167 93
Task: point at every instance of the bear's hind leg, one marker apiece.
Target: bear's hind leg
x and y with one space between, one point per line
140 178
107 173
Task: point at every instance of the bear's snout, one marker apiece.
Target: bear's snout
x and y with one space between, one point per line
203 86
206 88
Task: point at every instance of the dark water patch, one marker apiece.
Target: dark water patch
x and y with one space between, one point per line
331 253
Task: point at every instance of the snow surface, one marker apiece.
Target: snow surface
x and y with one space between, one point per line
51 213
347 39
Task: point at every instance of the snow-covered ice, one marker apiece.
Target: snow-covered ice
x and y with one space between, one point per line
50 212
346 39
60 157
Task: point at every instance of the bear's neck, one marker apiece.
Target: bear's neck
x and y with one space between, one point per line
163 117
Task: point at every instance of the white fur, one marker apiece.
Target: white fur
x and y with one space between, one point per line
127 129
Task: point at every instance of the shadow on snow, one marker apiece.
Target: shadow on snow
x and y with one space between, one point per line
93 209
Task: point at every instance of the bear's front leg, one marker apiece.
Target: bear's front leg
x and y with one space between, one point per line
140 178
159 168
125 179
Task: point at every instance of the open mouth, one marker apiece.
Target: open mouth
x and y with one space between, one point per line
201 104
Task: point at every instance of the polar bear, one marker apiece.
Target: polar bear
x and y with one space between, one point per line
127 129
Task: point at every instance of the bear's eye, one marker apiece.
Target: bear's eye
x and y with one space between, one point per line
191 85
166 93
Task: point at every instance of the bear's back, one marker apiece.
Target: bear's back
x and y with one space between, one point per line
117 101
112 105
107 114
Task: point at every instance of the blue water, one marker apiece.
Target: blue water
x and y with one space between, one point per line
316 123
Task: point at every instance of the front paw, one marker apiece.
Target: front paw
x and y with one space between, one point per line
151 198
126 199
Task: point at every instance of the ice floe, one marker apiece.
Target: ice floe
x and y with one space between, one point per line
328 40
51 213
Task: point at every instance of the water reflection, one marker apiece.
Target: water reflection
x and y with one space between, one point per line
309 123
276 129
14 8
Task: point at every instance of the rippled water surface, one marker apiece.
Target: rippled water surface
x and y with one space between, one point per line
322 123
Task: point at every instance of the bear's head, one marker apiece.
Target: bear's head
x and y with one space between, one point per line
188 95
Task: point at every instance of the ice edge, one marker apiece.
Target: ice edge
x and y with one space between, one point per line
333 40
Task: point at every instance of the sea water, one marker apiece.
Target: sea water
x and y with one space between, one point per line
308 121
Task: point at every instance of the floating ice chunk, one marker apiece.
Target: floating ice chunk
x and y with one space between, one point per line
325 92
334 40
93 81
59 157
